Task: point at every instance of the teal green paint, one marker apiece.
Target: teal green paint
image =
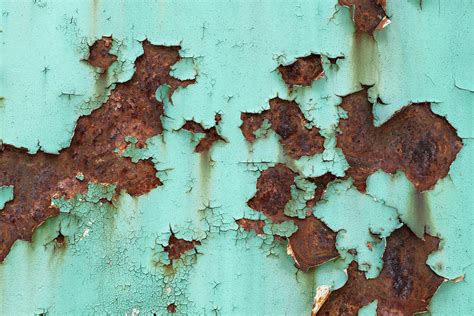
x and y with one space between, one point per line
6 195
114 259
368 310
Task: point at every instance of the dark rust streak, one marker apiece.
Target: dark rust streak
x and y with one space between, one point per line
303 71
131 110
415 140
405 284
313 243
288 122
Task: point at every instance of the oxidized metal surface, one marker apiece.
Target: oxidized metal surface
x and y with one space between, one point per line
303 71
366 14
313 243
288 122
131 110
211 134
414 140
405 284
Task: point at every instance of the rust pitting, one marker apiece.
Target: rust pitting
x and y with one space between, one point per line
211 134
303 71
405 284
415 140
131 110
367 15
313 243
99 53
289 123
176 246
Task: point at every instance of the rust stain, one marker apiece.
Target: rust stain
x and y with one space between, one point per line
415 140
303 71
131 110
176 247
367 15
99 53
250 224
211 134
313 243
288 122
405 284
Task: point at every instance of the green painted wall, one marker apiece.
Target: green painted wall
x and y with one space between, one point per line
112 262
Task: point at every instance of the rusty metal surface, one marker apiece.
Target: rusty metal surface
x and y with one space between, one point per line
404 286
303 71
366 14
288 122
414 140
131 110
313 243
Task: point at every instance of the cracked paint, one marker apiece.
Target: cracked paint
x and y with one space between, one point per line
214 161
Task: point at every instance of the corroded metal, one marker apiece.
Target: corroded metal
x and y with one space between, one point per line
131 110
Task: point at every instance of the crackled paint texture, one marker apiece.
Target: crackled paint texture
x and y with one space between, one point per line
237 157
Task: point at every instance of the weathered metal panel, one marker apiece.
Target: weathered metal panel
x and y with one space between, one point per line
236 158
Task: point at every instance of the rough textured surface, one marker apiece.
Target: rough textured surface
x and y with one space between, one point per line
404 287
303 71
131 110
415 140
105 251
313 243
366 14
288 122
211 135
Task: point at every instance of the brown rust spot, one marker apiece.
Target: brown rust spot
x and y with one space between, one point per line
250 224
211 134
405 284
99 53
176 247
303 71
171 308
313 243
366 14
288 122
415 140
131 110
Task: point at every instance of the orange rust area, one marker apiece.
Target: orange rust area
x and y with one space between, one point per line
405 284
250 224
366 14
131 110
288 122
415 140
176 247
303 71
99 55
313 243
211 134
171 308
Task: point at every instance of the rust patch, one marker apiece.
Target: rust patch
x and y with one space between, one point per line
176 247
250 224
303 71
321 185
288 122
211 134
99 53
313 243
415 140
405 284
367 15
131 110
171 308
